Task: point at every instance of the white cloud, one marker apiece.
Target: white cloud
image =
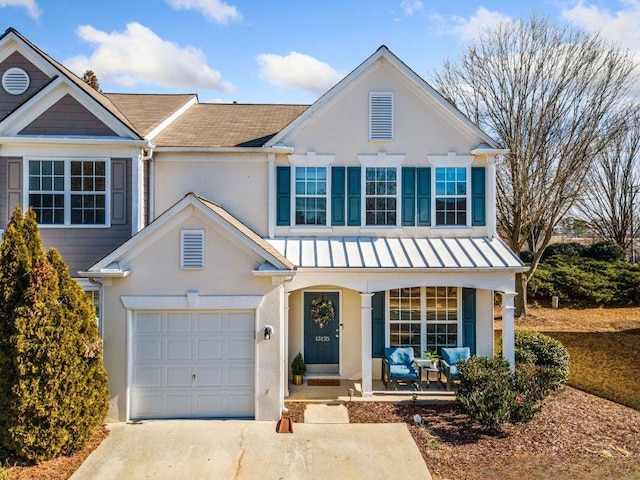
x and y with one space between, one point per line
468 28
411 6
620 26
297 71
138 55
213 10
32 7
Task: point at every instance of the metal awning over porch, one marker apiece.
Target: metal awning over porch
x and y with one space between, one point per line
397 252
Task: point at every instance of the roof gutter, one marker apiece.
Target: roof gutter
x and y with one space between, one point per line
274 149
71 140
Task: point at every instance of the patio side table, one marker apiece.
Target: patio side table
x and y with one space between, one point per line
427 367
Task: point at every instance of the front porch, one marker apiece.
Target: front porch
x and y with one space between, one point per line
327 394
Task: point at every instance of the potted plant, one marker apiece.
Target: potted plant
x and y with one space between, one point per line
298 369
432 356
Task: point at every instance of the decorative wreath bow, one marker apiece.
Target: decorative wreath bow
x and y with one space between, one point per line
322 311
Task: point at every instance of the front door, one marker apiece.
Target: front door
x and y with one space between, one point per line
322 330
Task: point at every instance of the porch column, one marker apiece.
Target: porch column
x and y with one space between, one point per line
508 327
367 382
285 341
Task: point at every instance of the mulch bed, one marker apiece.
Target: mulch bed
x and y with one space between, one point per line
59 468
575 436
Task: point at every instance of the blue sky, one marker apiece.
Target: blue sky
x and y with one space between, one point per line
275 51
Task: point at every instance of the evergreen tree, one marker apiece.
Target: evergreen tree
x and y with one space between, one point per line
57 383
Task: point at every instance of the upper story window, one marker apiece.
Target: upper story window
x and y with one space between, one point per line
311 195
381 195
68 192
381 116
451 195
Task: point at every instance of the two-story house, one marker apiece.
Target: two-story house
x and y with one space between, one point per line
362 221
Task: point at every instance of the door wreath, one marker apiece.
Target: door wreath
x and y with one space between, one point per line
322 311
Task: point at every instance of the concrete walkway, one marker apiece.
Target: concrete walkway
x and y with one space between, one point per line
325 413
210 449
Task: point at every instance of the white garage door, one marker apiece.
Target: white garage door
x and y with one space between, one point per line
193 364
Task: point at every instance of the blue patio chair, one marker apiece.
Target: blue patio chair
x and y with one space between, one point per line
398 365
449 357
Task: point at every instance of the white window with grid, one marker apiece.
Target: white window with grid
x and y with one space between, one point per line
381 195
451 198
424 318
68 191
311 195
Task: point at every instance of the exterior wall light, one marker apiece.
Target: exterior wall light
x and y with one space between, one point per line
268 331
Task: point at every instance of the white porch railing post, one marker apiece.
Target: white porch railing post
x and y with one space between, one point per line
367 382
508 327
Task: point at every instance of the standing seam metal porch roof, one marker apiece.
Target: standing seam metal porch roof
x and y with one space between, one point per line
397 252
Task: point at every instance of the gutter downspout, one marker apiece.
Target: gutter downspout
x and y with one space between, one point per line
98 283
152 178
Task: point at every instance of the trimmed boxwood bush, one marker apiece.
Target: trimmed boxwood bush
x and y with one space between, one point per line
540 350
569 249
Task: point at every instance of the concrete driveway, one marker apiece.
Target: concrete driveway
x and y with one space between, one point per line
219 449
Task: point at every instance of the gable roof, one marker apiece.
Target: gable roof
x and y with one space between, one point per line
228 125
146 112
98 97
383 53
224 221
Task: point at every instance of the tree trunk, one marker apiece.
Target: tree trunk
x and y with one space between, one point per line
520 302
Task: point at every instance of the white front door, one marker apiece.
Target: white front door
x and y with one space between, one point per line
194 364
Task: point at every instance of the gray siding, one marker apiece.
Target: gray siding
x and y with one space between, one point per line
37 79
80 247
11 186
68 117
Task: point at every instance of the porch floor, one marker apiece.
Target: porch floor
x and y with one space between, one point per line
395 393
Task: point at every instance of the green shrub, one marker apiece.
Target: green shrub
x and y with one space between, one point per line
606 252
56 394
4 474
546 353
526 256
569 249
486 390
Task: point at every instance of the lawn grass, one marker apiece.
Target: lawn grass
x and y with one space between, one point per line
605 364
603 345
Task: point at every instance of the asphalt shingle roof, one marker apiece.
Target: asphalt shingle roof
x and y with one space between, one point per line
228 125
147 111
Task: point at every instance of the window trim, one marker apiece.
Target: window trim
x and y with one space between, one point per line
67 189
310 159
423 315
434 196
380 160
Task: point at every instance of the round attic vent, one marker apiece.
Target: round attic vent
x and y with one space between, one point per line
15 81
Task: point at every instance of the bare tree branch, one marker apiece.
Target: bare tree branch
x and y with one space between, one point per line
554 96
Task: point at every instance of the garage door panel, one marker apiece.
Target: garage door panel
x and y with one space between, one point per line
239 349
209 322
238 322
178 405
179 349
240 376
147 349
148 323
149 377
179 377
209 376
209 349
218 347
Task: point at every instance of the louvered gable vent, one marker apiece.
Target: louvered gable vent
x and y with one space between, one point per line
15 81
381 116
192 249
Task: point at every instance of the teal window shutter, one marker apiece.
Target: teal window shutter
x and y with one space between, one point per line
469 319
478 203
377 325
338 205
353 196
408 196
283 194
423 176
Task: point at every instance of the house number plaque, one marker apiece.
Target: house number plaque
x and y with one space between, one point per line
322 338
